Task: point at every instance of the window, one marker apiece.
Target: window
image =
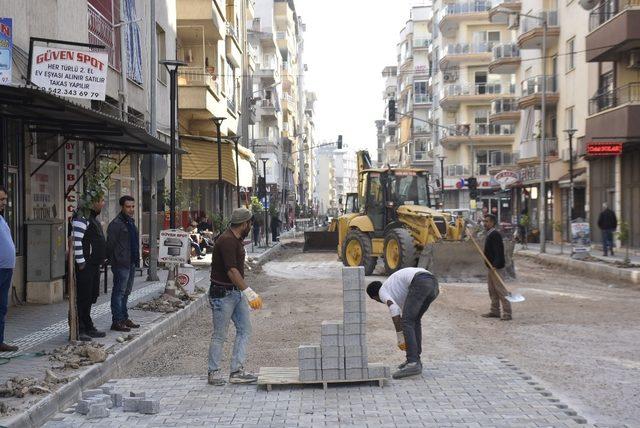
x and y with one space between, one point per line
161 48
571 54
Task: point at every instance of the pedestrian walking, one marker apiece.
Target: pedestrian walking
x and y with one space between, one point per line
608 223
230 298
275 227
90 253
408 293
123 252
256 232
7 264
494 252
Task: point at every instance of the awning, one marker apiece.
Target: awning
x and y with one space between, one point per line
577 177
201 161
44 112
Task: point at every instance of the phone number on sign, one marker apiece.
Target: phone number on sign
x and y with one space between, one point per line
74 93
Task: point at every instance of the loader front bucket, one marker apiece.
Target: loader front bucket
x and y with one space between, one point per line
320 240
459 261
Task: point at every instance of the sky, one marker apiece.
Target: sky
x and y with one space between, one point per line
347 44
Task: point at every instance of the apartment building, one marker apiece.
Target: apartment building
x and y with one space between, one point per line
390 154
307 177
612 125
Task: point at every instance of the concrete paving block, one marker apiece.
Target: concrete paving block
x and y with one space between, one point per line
332 363
309 351
352 278
354 363
83 406
140 394
88 393
355 318
116 399
330 327
98 410
333 351
130 404
359 351
378 370
332 374
310 375
353 296
331 340
107 390
149 407
352 307
103 398
350 329
310 364
355 374
355 340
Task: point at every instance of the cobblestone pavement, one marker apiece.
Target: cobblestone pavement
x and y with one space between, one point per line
471 392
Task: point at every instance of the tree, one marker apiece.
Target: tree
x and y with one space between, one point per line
524 222
558 226
624 235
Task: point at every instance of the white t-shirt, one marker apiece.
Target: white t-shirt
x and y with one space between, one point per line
396 288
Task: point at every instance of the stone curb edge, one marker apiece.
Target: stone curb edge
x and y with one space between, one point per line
610 272
262 256
97 374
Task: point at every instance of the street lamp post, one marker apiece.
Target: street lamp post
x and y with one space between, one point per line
172 67
218 122
570 133
266 213
235 140
442 158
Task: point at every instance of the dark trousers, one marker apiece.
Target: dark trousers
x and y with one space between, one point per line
88 286
5 286
422 291
607 241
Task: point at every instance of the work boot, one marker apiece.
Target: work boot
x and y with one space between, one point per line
131 324
411 369
506 317
215 378
94 333
83 337
241 376
7 348
490 315
403 365
120 326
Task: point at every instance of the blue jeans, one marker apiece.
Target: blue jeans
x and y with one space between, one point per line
423 290
5 286
232 307
122 285
607 240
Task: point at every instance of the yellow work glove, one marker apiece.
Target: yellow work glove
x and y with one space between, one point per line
255 301
402 345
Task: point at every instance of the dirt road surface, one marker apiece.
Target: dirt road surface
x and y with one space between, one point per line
579 336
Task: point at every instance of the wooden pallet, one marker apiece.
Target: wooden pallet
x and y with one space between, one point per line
270 376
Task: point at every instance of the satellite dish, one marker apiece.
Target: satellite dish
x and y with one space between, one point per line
159 163
588 4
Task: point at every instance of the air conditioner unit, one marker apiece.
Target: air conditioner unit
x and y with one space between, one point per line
449 77
588 4
634 59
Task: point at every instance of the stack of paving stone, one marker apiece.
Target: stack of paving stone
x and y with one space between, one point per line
342 352
96 403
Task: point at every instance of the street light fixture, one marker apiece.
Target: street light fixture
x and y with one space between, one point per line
542 197
570 132
442 158
172 67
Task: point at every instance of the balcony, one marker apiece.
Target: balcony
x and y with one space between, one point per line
506 59
530 151
504 111
531 30
458 53
421 43
268 70
455 13
232 46
267 109
101 32
613 28
421 158
420 129
422 99
613 115
454 94
532 92
204 13
457 170
497 15
478 133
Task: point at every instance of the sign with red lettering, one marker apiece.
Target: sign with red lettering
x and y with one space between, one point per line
604 149
70 73
70 177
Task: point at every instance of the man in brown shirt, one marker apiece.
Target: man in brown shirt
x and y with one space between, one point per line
230 298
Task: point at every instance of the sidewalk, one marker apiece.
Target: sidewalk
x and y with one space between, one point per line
596 252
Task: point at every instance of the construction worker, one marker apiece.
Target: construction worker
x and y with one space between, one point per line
494 252
230 299
408 294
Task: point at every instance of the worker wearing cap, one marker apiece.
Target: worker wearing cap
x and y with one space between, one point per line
408 294
230 299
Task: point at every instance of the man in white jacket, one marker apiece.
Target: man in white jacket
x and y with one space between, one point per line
408 294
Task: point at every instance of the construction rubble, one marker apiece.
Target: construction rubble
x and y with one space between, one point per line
78 354
166 303
97 403
19 387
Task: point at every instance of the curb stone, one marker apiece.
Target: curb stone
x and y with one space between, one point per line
97 374
605 271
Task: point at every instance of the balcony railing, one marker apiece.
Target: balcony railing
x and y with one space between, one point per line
231 104
198 76
492 129
457 89
504 106
529 23
533 85
626 94
101 32
421 42
509 50
421 129
421 98
457 170
421 156
460 8
267 104
232 30
467 48
607 10
530 149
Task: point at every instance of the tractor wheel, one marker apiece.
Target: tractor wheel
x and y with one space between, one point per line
399 251
357 251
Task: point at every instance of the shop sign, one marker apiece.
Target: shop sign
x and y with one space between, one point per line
530 173
70 177
70 73
506 178
580 238
604 149
174 246
6 49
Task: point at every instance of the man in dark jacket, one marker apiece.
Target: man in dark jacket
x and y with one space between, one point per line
123 251
608 223
494 252
89 249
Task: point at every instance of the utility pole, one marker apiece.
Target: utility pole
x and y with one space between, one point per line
123 65
152 272
542 196
266 199
218 122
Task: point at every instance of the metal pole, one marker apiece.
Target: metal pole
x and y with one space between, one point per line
542 197
237 174
172 190
218 122
152 272
442 181
570 177
266 210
